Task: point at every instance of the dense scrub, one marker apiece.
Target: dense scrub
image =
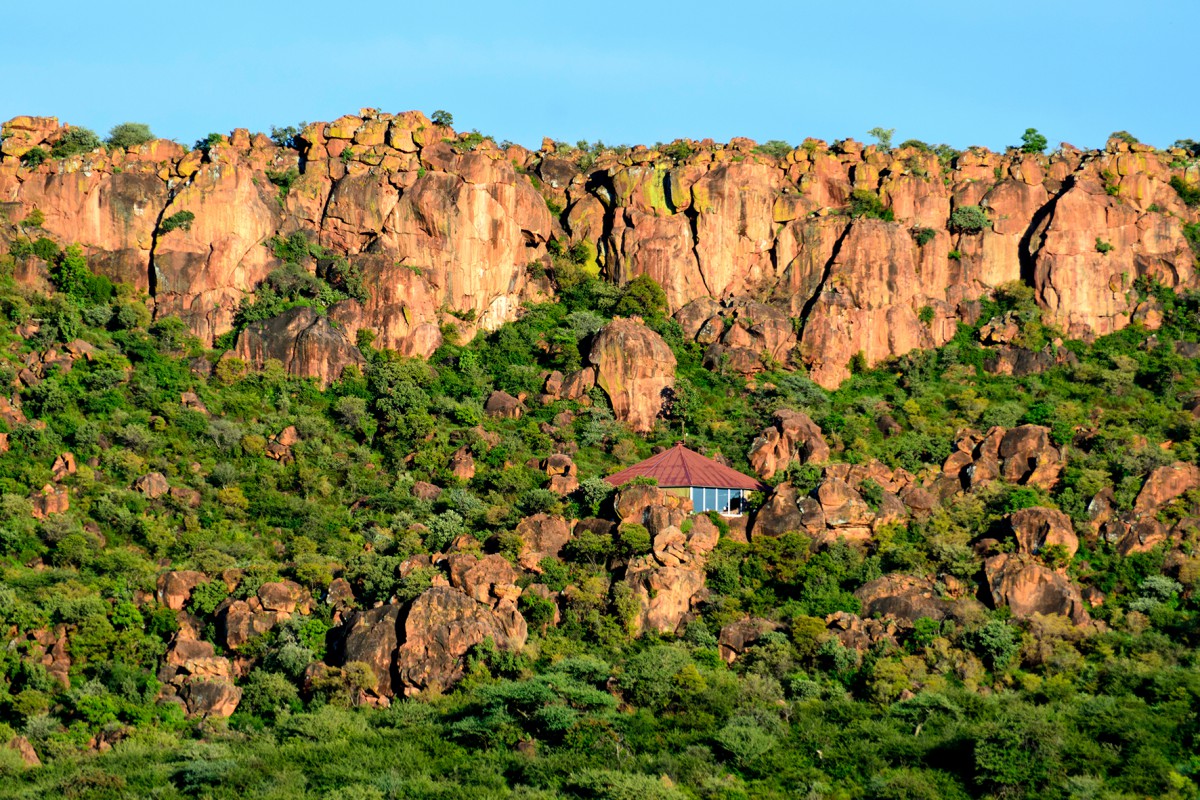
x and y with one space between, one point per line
989 706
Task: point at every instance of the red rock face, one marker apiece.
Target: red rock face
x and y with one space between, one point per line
633 366
446 231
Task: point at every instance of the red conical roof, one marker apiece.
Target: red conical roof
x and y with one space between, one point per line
680 466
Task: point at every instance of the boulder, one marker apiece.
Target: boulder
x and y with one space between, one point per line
736 637
211 698
503 405
665 595
1164 484
441 626
153 485
371 637
1037 528
784 512
305 343
633 367
542 536
175 588
792 437
902 597
1029 587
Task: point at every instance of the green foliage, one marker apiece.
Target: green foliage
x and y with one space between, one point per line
865 203
883 136
1103 246
288 135
678 150
129 134
643 297
442 117
923 236
33 157
70 273
1033 142
75 141
1189 194
180 220
775 148
969 219
1123 136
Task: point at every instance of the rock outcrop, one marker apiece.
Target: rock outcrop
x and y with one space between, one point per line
633 366
792 437
756 256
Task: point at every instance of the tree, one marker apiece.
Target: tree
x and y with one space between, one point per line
75 141
442 117
969 219
1032 141
129 134
883 136
71 275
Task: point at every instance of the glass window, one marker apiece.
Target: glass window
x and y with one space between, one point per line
723 501
697 499
710 498
735 501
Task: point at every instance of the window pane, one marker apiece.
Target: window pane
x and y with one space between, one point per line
710 499
735 501
697 499
723 501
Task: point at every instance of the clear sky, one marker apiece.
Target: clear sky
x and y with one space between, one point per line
965 72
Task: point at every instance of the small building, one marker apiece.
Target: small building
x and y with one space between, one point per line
711 486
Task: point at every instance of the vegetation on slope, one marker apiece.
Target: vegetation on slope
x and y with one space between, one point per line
983 707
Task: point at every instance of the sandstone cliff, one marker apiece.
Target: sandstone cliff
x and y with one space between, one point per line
446 227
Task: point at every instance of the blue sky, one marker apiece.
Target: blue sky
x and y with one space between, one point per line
624 72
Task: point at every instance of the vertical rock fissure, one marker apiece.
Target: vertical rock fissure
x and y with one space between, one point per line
693 218
152 270
1026 256
811 302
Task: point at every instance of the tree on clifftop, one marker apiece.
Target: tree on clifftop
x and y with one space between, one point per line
1032 141
129 134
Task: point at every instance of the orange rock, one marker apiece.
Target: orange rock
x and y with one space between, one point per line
633 366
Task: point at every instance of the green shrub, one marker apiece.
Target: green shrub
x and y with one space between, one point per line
883 136
1103 246
775 147
865 203
969 219
129 134
443 118
33 158
1033 142
923 236
75 141
1189 194
180 220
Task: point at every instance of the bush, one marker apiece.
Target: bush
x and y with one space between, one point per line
923 236
75 141
1103 246
1189 194
443 118
181 220
865 203
70 273
1033 142
775 147
33 158
129 134
969 219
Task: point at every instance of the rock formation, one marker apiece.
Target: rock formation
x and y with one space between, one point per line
753 252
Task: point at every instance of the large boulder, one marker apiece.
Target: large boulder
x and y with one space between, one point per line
793 436
542 536
666 595
785 511
1037 528
441 626
1164 484
371 638
902 597
633 367
305 343
1029 587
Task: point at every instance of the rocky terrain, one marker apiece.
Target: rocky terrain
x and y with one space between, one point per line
303 446
450 227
